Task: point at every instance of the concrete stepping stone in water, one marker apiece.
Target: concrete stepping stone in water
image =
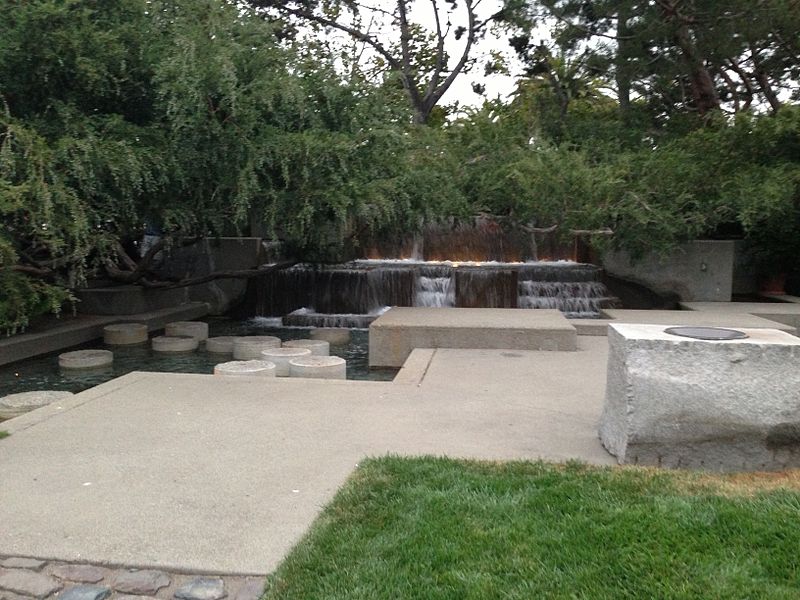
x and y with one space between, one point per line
220 345
85 592
250 347
175 343
319 367
15 405
282 356
335 336
245 368
141 583
85 359
28 583
195 329
202 588
317 347
125 334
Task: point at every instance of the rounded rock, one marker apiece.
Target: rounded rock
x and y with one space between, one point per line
175 343
14 405
317 347
318 367
250 347
125 334
195 329
220 345
335 336
282 356
245 368
85 359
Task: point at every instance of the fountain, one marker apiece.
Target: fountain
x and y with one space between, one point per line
496 268
354 294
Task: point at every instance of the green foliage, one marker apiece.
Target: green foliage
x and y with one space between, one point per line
437 528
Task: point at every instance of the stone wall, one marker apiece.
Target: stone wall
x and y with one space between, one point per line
697 271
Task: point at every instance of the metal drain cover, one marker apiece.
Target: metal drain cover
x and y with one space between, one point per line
707 333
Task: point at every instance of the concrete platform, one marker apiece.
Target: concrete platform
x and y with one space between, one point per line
690 317
397 332
197 473
787 313
86 328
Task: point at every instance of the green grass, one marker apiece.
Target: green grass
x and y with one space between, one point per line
4 434
433 528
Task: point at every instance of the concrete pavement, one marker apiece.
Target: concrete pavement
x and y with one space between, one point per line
197 473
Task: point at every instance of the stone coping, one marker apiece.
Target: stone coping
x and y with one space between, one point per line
87 328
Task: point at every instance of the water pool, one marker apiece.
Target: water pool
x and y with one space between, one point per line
42 372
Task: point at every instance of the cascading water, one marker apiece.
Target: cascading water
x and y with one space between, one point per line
574 299
354 294
434 287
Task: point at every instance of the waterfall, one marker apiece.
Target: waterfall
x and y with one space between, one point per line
434 286
353 294
581 299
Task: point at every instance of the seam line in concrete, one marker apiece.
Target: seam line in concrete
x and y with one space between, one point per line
428 366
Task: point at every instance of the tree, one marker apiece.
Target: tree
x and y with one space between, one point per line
680 58
418 57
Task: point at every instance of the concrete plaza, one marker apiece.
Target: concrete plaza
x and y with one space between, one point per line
197 473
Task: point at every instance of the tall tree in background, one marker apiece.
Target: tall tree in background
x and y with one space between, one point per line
417 56
690 57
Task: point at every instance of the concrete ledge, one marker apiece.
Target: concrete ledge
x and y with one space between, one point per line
88 328
597 327
413 370
394 335
786 313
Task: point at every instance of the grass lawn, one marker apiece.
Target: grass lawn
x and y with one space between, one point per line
433 528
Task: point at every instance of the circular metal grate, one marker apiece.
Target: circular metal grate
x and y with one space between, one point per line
707 333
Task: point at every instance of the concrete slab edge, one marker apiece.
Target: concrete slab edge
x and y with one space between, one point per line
23 422
416 366
25 345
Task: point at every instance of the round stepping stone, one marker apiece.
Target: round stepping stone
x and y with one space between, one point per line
250 347
317 347
14 405
220 345
318 367
245 368
85 359
195 329
175 343
124 334
282 356
335 336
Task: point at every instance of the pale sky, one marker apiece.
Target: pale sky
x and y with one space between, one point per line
461 90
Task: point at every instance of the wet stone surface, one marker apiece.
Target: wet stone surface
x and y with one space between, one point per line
24 578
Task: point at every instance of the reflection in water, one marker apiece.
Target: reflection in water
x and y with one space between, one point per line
42 373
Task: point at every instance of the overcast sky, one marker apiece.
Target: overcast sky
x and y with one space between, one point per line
461 91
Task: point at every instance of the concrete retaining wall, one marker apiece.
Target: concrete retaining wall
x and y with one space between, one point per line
698 271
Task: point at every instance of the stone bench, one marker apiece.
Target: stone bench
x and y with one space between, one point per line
397 332
719 405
